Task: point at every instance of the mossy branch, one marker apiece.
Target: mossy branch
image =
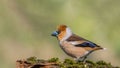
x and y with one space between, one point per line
33 62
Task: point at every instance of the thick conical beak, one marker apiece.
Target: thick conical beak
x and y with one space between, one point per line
55 33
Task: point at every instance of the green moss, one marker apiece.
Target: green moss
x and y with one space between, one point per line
90 62
101 62
68 63
53 60
32 60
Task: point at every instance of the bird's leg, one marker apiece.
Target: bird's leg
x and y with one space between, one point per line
84 57
79 59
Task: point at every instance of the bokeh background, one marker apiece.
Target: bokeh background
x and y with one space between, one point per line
26 26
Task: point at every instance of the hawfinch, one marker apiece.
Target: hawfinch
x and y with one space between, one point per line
74 45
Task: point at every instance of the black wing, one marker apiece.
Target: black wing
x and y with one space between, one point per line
87 44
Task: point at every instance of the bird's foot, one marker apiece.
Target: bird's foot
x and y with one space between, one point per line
81 59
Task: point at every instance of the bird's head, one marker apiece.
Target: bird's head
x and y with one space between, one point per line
62 32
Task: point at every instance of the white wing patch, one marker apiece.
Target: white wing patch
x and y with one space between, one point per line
74 42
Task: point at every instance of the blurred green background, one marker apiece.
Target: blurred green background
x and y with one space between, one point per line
26 26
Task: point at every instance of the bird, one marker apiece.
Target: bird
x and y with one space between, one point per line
73 45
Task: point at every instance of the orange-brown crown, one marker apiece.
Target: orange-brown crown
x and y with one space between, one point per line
62 30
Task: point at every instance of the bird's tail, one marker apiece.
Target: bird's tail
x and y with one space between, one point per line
104 48
99 48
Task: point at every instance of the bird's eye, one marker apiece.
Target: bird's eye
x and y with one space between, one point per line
58 32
